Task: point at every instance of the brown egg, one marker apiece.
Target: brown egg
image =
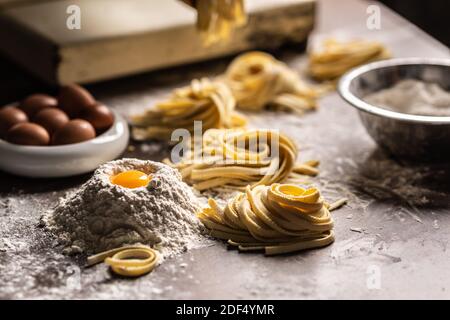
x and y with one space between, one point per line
51 119
74 131
73 99
29 134
99 116
10 116
36 102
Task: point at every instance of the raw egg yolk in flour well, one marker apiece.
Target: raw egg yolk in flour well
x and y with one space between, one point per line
131 179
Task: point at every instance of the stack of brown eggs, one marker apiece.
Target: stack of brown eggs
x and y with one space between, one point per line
42 120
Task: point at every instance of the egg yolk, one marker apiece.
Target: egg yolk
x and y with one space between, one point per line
131 179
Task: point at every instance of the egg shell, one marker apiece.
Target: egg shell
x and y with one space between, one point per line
9 117
51 119
37 102
74 131
27 133
73 99
100 116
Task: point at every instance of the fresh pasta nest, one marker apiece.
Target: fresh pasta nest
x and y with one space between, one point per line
277 219
237 158
210 102
258 80
337 57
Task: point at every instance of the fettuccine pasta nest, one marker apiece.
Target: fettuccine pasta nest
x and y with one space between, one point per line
276 219
237 158
337 57
204 100
258 80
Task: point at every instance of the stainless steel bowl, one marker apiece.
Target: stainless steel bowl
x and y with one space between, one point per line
403 135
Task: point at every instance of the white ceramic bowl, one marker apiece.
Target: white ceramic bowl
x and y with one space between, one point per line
66 160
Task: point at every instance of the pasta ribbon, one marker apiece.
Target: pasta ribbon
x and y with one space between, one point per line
258 80
337 57
237 158
276 219
210 102
216 19
130 261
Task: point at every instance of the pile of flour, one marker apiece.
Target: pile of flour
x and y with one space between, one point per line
413 97
102 216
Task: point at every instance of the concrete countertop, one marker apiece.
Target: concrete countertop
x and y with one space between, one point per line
391 239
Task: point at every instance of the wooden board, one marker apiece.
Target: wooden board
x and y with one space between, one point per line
120 38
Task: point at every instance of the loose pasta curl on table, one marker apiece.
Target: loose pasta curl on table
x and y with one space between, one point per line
127 261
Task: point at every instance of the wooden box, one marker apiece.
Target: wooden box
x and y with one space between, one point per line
123 37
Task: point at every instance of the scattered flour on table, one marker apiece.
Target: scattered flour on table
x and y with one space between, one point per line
102 216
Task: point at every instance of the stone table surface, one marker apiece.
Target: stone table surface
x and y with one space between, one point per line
391 238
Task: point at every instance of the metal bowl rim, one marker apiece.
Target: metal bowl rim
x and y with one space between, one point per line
347 95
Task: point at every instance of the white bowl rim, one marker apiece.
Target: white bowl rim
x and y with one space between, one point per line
347 95
119 120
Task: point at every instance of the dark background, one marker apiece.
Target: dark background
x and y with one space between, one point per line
433 16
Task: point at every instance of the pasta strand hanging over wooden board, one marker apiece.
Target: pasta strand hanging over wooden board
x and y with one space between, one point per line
217 19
